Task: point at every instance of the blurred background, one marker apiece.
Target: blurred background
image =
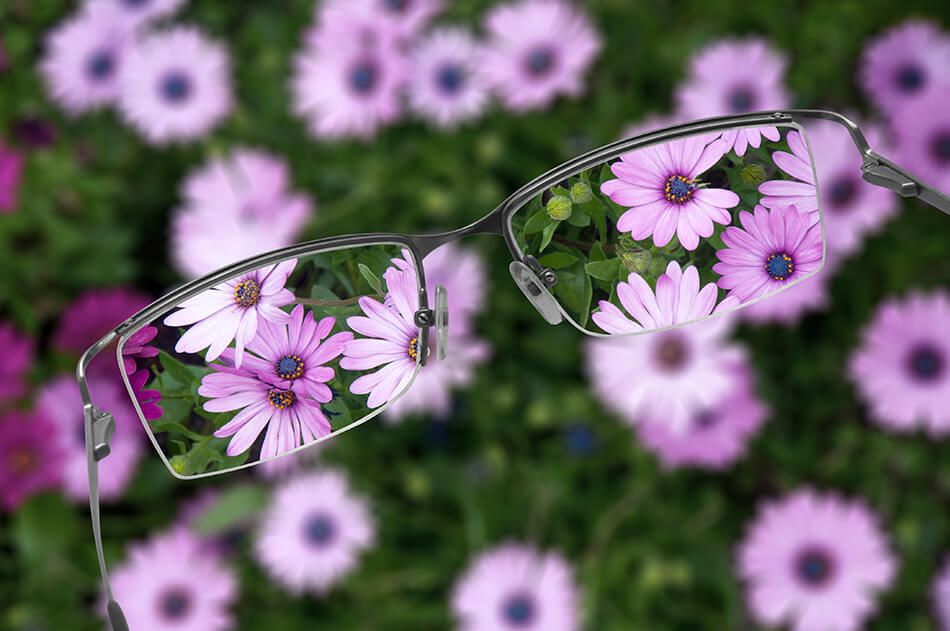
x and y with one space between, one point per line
145 143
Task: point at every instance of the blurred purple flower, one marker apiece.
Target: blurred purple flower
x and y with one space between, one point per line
798 164
34 132
923 139
446 86
714 438
537 50
902 368
11 170
792 303
59 401
403 18
290 465
814 562
661 187
29 460
175 85
233 311
138 12
172 581
514 586
941 596
773 249
906 63
649 123
678 300
146 399
735 76
234 208
83 58
137 346
314 532
392 338
15 361
93 314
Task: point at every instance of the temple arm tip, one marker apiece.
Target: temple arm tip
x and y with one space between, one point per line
116 617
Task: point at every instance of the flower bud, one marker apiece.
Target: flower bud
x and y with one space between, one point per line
559 207
179 464
581 193
753 174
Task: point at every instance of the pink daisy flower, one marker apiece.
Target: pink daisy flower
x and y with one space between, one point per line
30 459
16 359
941 596
714 438
392 340
314 532
801 193
172 581
651 122
814 562
147 399
11 170
661 185
792 303
907 62
537 50
175 85
137 346
403 18
138 12
234 208
735 76
233 310
514 586
923 139
59 401
83 57
446 85
902 368
92 315
773 249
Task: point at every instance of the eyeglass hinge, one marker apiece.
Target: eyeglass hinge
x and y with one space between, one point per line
547 275
103 428
886 176
424 317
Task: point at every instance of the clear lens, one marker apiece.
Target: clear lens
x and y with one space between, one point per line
677 231
276 358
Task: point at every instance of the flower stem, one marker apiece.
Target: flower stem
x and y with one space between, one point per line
582 245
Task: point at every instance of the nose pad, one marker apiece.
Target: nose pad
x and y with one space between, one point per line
535 291
441 322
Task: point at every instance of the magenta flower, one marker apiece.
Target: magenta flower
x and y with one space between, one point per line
11 170
773 249
446 85
92 315
234 208
314 532
923 139
173 581
941 596
233 310
733 77
83 57
905 63
146 399
792 303
392 340
29 460
137 346
139 12
16 359
175 85
814 562
537 50
59 401
514 586
661 185
402 18
802 193
714 438
902 368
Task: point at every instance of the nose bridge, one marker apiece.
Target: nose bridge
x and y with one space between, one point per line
535 291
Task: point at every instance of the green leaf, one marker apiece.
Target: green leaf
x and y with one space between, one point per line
604 270
547 233
537 222
319 292
371 278
162 426
596 210
557 260
235 506
43 528
579 219
175 409
597 252
337 413
181 373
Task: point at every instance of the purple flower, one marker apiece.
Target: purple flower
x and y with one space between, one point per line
446 86
291 464
392 340
651 122
83 57
904 64
661 186
29 460
92 315
173 581
16 359
941 596
234 208
514 586
791 304
923 139
902 368
233 310
137 347
678 300
146 399
11 170
537 50
714 438
814 562
802 193
402 18
175 85
138 12
59 401
733 77
773 249
314 532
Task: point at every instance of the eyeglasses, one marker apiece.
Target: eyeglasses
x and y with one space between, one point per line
283 350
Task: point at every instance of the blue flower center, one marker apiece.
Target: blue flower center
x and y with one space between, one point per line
540 61
779 266
176 87
705 419
413 349
672 352
842 191
397 6
519 610
940 146
910 78
281 399
364 77
580 439
450 78
100 65
289 367
679 189
741 99
247 293
319 530
814 567
175 603
925 362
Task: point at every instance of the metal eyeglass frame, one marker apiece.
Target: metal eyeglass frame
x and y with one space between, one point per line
534 280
